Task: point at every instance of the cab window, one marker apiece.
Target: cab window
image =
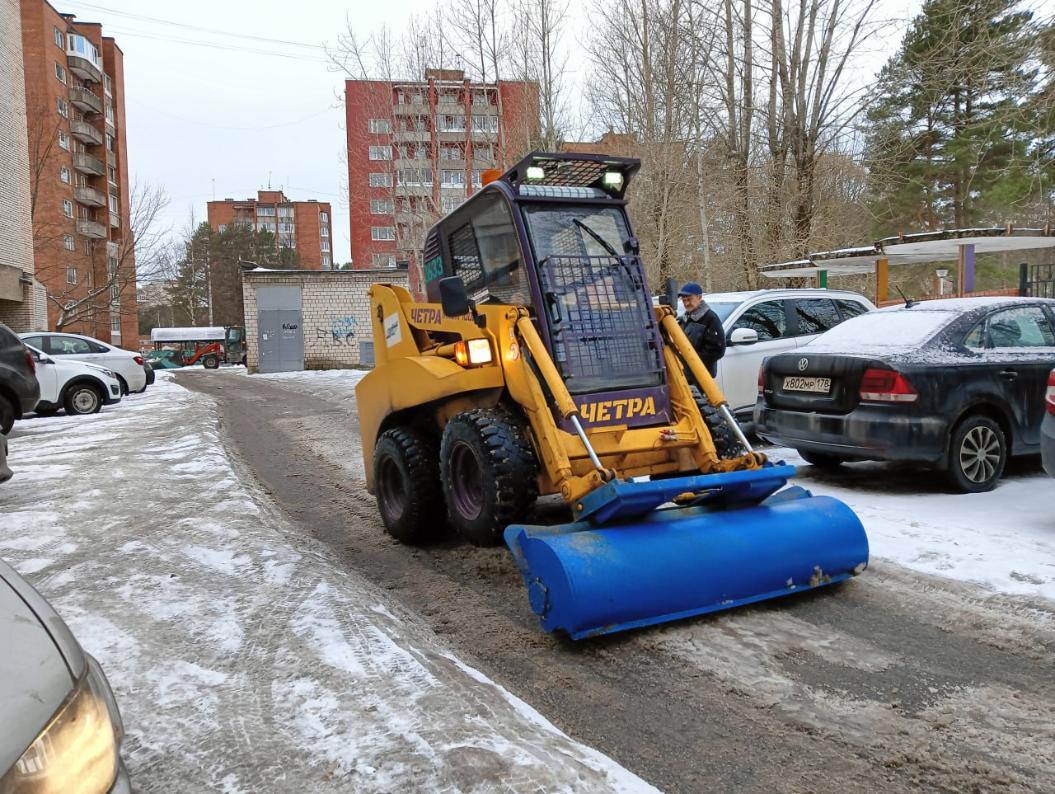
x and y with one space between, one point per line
485 252
767 319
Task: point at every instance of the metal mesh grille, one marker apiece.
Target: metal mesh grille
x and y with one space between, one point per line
570 173
1041 282
466 256
601 321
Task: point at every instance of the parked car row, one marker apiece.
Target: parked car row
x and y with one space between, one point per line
959 385
48 372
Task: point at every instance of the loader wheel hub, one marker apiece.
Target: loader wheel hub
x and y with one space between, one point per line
392 492
467 487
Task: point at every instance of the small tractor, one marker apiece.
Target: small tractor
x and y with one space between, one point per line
540 366
185 347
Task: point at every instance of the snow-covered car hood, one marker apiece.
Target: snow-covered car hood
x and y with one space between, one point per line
34 675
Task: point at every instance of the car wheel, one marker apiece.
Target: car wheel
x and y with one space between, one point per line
83 399
7 416
124 386
821 460
977 455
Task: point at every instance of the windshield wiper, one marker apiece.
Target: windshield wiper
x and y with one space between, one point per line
595 235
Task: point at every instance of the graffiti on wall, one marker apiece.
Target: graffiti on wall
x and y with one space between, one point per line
340 332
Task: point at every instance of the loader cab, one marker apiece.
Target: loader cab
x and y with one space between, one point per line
552 234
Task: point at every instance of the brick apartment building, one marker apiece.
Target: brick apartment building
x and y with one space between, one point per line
22 300
302 226
78 160
416 150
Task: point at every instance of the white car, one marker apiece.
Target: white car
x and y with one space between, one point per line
769 321
127 365
78 386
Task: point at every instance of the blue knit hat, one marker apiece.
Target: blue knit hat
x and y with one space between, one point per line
690 288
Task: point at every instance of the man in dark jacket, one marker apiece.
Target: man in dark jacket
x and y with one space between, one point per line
702 326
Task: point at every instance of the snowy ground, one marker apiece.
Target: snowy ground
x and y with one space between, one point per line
1003 540
242 657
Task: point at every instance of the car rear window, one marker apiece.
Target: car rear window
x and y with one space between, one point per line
883 331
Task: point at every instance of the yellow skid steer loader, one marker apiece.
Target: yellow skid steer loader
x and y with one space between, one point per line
540 366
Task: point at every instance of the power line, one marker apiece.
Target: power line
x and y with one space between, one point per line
159 21
217 45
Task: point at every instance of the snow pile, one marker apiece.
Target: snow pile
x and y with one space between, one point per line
241 654
1003 539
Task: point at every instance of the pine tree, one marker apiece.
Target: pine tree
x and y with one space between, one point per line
950 133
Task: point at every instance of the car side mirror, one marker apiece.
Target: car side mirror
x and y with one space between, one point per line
453 297
743 336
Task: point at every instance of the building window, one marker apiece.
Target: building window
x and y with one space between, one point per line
287 228
71 275
109 112
64 174
109 142
382 233
380 180
60 39
327 263
380 152
60 73
324 231
115 322
222 228
64 140
67 208
268 212
285 211
68 242
484 152
266 226
324 218
79 45
381 206
449 203
415 177
449 152
485 123
115 205
452 178
87 247
108 85
324 245
384 260
380 125
452 123
63 107
478 178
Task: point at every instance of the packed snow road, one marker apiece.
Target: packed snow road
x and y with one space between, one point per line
244 657
901 678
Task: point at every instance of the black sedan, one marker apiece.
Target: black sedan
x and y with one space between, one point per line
1047 428
953 384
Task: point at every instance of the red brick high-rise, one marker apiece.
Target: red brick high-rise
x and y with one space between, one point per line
78 160
417 149
302 226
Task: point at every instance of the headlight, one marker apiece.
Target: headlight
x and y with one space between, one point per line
473 352
77 751
110 373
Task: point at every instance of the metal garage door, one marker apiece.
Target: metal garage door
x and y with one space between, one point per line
280 331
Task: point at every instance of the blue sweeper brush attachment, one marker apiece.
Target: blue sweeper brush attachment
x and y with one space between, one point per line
734 538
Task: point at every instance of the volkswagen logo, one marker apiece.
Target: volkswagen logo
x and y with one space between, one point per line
803 363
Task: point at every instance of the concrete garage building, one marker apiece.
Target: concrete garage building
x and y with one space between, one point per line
311 319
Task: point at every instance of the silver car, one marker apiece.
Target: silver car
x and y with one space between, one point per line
60 728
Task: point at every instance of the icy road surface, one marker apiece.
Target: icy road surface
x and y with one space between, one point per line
243 658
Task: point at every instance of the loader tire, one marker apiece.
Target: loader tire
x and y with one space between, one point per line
211 362
489 473
726 444
407 482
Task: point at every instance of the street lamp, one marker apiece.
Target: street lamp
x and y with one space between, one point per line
941 273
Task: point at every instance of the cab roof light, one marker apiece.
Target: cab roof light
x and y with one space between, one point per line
535 172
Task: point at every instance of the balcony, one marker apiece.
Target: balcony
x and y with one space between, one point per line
87 164
412 136
86 133
410 110
115 220
89 197
85 100
91 229
84 68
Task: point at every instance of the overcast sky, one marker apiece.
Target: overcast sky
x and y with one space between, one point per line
214 112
